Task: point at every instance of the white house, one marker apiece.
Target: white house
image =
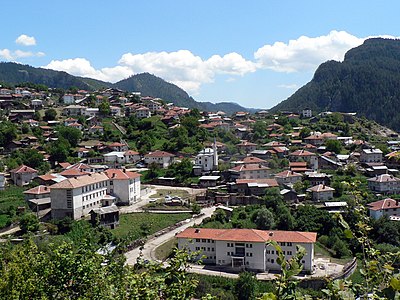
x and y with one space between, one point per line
321 192
143 112
385 183
247 248
306 113
76 197
23 175
162 158
207 159
288 177
124 185
371 156
388 207
251 171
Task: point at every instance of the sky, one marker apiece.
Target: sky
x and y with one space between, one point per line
256 53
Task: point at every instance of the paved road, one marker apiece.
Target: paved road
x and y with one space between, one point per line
152 244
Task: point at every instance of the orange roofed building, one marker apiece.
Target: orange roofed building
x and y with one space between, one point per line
247 248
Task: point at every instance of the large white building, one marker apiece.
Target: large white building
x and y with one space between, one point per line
247 248
207 159
161 158
76 197
385 183
124 185
371 156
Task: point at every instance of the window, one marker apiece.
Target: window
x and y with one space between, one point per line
111 182
212 249
272 261
289 243
228 253
283 244
198 240
203 240
289 252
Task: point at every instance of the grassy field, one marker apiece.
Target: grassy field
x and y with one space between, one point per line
10 199
164 250
131 224
320 251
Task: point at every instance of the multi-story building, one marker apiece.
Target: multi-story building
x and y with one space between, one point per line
23 175
161 158
387 207
250 171
76 197
321 192
371 156
124 185
207 159
385 183
247 248
288 177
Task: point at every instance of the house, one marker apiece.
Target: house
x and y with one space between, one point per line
161 158
74 110
124 185
326 163
256 187
304 155
114 158
288 177
23 175
387 207
38 198
115 111
68 99
105 216
209 181
131 156
247 248
76 197
306 113
385 184
91 111
246 147
142 112
321 192
118 147
289 195
316 178
372 155
207 159
250 171
49 179
96 129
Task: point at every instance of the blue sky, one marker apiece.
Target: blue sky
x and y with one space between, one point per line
255 53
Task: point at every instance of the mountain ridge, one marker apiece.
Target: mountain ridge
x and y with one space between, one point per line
366 82
146 83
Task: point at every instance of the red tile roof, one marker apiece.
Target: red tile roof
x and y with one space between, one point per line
248 235
249 167
159 153
38 190
23 169
287 173
253 159
119 174
384 204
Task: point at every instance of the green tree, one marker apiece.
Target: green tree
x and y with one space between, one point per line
246 286
59 150
104 108
264 219
50 114
72 135
334 146
29 223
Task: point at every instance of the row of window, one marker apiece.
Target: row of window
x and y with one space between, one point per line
285 243
91 204
94 186
204 249
205 241
93 195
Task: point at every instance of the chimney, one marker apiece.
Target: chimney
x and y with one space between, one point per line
270 233
197 230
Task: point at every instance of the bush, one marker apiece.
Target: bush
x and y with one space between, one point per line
29 223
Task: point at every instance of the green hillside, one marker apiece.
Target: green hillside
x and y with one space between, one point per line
366 82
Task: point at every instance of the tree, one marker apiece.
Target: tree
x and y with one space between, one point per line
246 286
50 114
29 223
8 132
334 146
104 108
72 135
59 150
264 219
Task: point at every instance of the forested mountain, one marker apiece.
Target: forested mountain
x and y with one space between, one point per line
147 84
366 82
14 73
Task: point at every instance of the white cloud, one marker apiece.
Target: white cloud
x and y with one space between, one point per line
25 40
82 67
6 54
288 86
13 55
306 53
185 69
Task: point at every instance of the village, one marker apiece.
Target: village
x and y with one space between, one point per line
98 155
